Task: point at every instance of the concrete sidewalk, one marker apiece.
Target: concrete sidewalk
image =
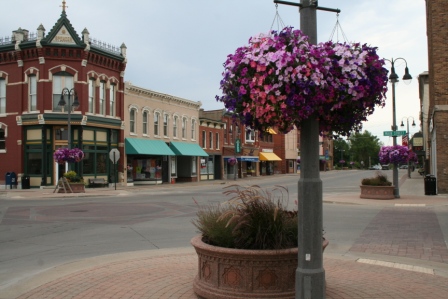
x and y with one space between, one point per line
169 273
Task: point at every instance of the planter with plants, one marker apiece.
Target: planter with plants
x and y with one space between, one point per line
377 187
75 181
248 245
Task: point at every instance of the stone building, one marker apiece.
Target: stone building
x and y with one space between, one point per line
161 138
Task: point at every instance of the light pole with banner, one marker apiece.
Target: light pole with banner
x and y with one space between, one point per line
114 156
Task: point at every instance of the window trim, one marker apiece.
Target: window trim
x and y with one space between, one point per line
91 101
166 120
145 114
156 122
102 98
175 128
112 100
132 122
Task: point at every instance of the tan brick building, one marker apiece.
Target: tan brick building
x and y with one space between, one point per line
437 32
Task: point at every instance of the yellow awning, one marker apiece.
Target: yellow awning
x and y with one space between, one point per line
269 157
271 131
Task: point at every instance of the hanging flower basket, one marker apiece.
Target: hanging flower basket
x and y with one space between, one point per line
232 161
62 155
280 80
397 154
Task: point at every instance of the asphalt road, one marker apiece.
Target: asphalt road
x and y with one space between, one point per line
36 235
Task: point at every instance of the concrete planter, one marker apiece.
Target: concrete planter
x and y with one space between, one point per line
377 192
240 273
76 188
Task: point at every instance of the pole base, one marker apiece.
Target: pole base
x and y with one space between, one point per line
310 283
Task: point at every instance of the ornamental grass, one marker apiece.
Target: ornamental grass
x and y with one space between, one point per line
253 218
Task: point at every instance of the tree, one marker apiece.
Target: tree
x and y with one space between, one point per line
341 150
365 147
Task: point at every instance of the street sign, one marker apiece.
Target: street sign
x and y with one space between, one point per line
394 133
238 146
114 155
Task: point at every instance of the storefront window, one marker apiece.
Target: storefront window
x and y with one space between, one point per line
34 163
193 166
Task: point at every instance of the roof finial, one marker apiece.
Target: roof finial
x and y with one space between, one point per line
63 5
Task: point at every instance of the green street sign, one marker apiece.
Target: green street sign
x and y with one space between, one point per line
394 133
238 146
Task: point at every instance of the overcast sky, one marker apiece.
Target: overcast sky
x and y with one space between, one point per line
178 46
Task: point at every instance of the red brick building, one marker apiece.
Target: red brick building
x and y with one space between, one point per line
34 71
211 139
437 32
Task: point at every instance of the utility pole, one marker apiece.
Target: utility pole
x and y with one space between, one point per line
310 274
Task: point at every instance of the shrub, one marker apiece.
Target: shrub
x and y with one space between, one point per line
379 180
73 177
252 219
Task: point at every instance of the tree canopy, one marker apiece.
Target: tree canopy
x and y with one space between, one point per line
364 146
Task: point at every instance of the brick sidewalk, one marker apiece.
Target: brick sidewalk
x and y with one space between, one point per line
171 276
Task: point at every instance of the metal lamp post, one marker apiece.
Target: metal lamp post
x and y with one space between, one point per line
409 138
70 93
393 77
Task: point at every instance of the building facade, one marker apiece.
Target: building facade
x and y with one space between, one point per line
211 137
36 71
161 138
437 32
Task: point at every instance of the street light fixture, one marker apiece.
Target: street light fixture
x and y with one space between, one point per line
409 138
70 93
393 78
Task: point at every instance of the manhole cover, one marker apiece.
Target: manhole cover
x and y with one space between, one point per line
78 211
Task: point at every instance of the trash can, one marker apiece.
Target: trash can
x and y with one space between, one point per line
26 182
13 180
430 185
7 180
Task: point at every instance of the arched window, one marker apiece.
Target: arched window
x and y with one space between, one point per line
165 125
132 119
92 95
193 129
103 98
156 123
184 127
175 120
2 96
145 123
112 90
61 80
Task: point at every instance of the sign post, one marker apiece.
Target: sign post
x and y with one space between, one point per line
114 156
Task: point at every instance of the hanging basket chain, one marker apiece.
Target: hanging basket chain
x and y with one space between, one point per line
280 24
336 29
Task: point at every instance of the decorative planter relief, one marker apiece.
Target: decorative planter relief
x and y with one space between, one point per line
377 192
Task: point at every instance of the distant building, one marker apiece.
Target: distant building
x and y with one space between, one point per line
35 68
161 138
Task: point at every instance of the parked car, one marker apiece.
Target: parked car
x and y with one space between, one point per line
375 167
403 167
384 167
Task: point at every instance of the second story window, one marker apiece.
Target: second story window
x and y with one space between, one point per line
102 98
2 139
175 120
132 117
145 122
32 87
165 125
92 95
204 139
193 129
2 96
217 140
184 127
61 80
156 123
210 139
250 135
112 100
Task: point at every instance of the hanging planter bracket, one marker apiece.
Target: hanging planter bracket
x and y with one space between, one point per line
313 4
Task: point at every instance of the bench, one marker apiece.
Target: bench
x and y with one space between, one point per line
98 182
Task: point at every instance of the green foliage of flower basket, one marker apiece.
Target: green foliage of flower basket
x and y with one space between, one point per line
73 177
252 219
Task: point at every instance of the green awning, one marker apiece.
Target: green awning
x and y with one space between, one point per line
138 146
187 149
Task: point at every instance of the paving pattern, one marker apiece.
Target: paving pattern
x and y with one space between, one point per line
171 277
412 232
